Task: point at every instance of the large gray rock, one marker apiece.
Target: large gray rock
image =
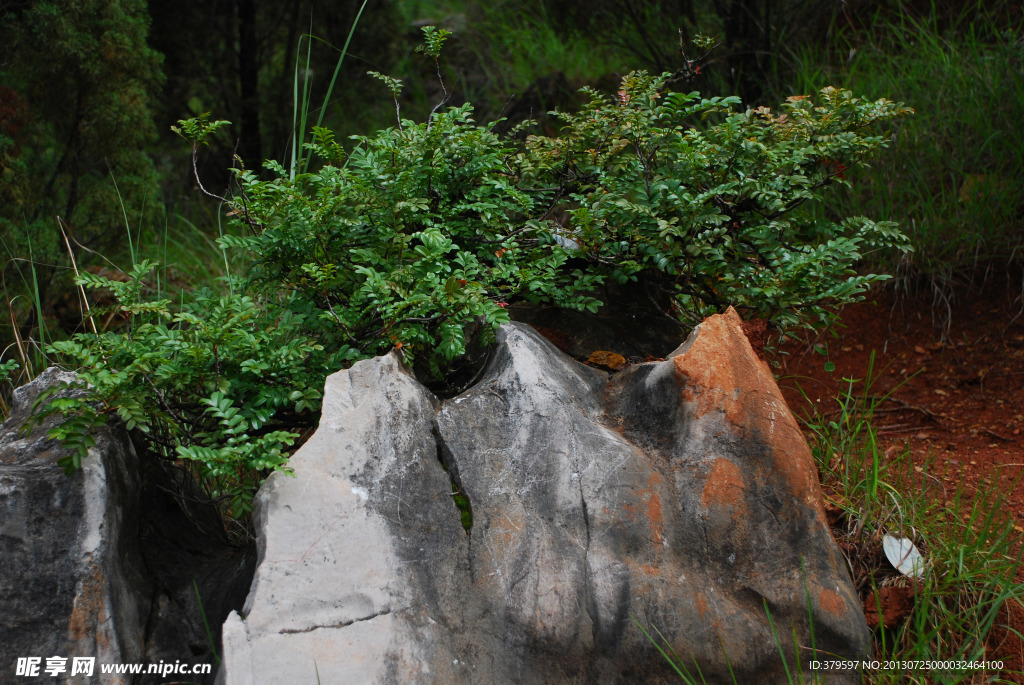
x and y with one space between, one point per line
678 495
70 574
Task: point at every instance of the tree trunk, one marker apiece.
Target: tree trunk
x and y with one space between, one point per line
251 148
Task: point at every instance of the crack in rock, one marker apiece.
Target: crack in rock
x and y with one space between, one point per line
343 624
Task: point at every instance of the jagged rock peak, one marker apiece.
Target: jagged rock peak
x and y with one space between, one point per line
679 495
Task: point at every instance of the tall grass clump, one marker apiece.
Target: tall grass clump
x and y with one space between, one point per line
952 179
188 259
967 539
23 323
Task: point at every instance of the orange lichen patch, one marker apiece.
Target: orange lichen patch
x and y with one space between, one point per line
831 601
720 372
607 360
701 604
89 608
647 506
720 369
654 508
649 569
724 485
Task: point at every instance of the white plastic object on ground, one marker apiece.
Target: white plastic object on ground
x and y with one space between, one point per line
903 555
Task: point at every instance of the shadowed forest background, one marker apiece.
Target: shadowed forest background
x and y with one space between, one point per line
90 88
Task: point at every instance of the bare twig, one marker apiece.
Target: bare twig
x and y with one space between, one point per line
195 173
81 288
997 435
444 100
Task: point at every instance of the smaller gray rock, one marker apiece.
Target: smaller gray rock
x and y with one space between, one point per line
333 598
70 575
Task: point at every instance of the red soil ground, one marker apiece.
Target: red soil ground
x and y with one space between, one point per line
956 394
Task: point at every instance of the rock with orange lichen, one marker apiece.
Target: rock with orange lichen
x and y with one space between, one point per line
745 492
679 493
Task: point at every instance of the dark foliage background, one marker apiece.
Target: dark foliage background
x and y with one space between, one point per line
90 88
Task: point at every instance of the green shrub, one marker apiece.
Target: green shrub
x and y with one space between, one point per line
423 231
718 215
223 383
421 236
426 227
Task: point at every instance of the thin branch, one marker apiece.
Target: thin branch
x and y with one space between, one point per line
444 90
195 173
